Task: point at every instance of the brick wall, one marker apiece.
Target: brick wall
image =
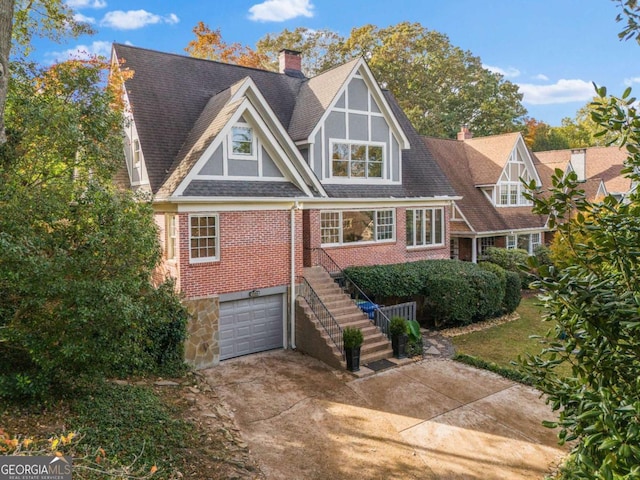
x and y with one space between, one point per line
374 253
255 253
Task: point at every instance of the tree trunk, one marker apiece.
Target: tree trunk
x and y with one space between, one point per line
6 25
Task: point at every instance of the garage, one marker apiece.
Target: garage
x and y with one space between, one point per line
251 325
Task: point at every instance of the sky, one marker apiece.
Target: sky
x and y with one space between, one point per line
552 49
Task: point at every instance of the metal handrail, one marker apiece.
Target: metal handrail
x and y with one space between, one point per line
322 313
324 260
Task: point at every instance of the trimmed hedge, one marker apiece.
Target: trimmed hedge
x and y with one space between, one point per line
512 292
512 260
448 292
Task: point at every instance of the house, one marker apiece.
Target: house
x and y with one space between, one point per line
598 167
255 175
493 211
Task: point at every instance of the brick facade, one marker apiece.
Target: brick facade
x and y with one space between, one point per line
373 253
255 252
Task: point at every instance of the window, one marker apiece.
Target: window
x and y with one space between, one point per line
203 237
486 242
171 230
528 241
454 248
136 153
356 160
353 226
425 226
511 242
510 190
243 143
535 242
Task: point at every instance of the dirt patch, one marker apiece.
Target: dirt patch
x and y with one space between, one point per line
476 327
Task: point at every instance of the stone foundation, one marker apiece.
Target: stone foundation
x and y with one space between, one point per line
202 349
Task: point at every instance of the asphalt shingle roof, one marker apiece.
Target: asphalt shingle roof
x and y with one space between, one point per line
180 104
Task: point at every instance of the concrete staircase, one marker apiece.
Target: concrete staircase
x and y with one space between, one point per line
376 346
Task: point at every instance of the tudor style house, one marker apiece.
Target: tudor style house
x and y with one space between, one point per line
493 211
254 173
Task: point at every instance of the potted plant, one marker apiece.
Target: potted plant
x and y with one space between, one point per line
399 337
352 340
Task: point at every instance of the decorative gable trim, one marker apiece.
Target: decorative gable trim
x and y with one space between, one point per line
378 96
458 213
289 165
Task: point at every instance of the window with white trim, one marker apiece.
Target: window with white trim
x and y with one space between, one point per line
357 160
203 238
355 226
171 242
525 241
536 241
136 153
511 242
242 144
510 190
425 226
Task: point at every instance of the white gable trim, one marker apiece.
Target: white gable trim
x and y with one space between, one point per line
528 161
458 211
375 90
284 162
250 90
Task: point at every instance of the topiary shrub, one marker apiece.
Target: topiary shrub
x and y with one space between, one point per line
512 292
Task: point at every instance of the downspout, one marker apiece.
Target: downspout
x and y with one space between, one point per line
292 295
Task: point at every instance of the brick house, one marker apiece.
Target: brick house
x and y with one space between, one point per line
251 171
486 172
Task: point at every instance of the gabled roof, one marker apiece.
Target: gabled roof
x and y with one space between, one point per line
490 155
604 163
169 92
180 104
314 98
458 160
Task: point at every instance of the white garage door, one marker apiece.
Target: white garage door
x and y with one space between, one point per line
250 325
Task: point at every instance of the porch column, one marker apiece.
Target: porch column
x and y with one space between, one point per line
474 250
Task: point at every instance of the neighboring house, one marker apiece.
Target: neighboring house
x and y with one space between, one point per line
251 170
493 211
598 167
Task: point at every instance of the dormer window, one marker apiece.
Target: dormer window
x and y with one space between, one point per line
243 143
357 160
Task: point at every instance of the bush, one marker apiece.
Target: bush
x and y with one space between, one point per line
449 292
512 292
397 326
352 337
512 260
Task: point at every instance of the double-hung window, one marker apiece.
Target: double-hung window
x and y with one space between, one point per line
354 160
242 145
353 226
171 241
204 237
425 227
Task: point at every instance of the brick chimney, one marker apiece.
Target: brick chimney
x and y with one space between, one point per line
290 63
464 133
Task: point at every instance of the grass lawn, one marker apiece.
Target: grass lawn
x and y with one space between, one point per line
503 344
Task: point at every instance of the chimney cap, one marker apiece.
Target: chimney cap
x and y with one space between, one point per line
289 51
464 133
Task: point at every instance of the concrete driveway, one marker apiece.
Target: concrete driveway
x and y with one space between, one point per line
425 420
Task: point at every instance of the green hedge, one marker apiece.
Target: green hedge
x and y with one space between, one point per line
448 292
512 260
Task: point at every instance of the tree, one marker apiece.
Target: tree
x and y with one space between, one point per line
209 45
20 20
76 255
583 131
594 303
540 136
630 13
440 87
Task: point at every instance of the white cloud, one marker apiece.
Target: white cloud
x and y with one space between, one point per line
630 81
563 91
134 19
541 76
86 3
78 17
509 72
100 48
280 10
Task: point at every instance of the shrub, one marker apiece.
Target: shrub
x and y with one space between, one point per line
397 326
512 292
449 292
352 337
512 260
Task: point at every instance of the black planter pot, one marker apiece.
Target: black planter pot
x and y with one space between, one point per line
353 358
399 344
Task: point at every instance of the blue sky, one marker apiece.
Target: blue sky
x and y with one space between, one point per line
553 49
